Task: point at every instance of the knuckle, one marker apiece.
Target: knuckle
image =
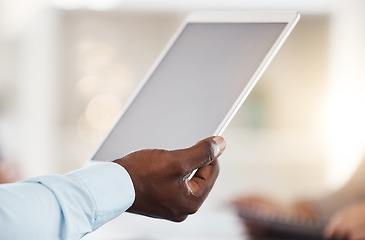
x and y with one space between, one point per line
193 206
180 169
208 151
192 211
179 218
158 152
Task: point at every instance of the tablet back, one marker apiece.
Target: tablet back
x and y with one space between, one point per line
198 82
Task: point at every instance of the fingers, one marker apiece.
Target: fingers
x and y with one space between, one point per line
201 154
160 178
341 227
203 180
330 228
334 228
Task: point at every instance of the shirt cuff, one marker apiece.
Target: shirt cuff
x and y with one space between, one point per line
110 187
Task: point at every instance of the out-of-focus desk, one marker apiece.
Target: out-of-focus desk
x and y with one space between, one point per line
201 226
223 225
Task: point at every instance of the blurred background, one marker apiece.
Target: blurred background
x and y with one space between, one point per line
67 68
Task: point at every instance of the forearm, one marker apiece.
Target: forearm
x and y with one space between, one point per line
64 207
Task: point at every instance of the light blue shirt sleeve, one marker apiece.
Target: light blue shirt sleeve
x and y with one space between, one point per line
64 207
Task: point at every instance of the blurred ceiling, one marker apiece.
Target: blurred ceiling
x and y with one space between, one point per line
15 15
308 6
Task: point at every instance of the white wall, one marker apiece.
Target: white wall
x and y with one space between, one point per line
37 96
345 112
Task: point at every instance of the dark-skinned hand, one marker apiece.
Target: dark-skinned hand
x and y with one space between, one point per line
161 178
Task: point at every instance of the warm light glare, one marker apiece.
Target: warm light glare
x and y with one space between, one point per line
87 85
94 57
113 79
102 111
116 79
345 128
345 116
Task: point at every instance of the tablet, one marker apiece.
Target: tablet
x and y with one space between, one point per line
198 82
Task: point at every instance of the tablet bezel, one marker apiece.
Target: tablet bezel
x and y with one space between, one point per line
291 18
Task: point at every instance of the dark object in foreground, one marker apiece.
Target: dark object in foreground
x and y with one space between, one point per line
283 224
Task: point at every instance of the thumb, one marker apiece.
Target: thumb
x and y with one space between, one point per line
202 153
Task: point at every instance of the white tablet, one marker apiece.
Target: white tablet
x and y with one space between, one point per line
198 82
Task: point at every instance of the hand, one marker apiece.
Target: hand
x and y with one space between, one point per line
160 178
348 223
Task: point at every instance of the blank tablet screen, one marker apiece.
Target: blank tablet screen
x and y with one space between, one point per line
191 91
